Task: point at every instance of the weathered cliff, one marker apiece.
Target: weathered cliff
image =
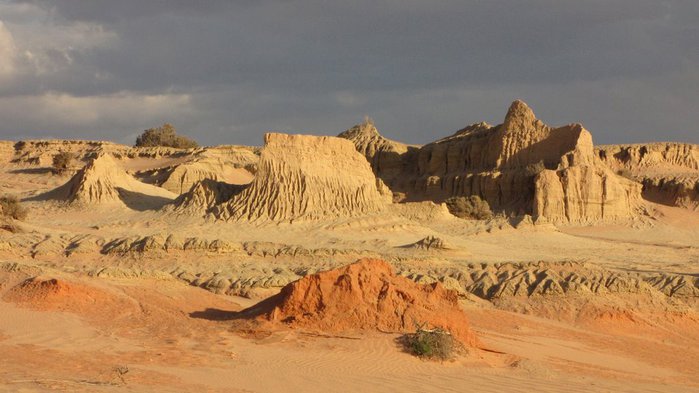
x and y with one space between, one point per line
669 172
584 194
303 177
658 156
522 166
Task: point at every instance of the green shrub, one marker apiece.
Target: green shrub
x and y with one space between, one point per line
62 162
166 136
12 208
436 344
471 207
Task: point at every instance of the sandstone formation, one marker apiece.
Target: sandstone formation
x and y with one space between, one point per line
308 178
669 172
184 176
41 152
681 191
226 164
204 197
584 194
384 155
680 157
365 295
102 181
519 167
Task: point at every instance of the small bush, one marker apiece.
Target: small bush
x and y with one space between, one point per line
20 145
12 208
471 207
166 136
62 162
436 344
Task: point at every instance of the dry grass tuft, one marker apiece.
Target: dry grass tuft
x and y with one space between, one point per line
10 207
471 207
434 344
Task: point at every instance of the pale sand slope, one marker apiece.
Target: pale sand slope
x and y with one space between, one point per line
176 338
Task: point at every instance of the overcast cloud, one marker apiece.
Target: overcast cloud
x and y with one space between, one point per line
228 71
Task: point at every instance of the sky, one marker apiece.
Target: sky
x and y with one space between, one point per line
226 72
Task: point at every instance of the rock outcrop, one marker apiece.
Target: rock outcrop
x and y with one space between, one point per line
669 172
584 194
204 197
303 177
519 167
41 152
226 164
681 191
678 157
386 157
366 295
102 181
184 176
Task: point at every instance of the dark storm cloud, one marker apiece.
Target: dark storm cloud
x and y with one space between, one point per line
230 70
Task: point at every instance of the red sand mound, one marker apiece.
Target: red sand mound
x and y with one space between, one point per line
366 295
44 293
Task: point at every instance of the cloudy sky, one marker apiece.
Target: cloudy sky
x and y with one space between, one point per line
227 71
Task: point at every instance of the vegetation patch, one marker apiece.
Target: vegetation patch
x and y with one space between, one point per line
434 344
62 162
10 207
470 207
165 136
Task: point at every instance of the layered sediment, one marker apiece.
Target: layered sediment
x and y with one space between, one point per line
669 172
522 166
103 181
308 178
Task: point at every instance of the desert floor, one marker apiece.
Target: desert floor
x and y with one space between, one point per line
129 321
170 337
